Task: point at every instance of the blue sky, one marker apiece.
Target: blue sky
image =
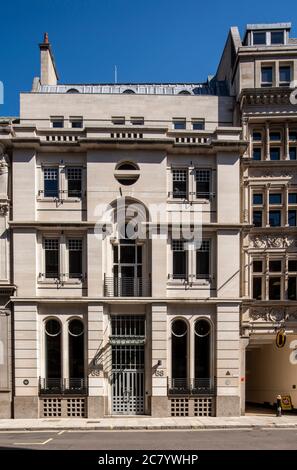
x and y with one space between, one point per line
148 40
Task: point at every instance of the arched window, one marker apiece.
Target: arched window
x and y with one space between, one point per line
76 350
129 91
179 353
202 350
184 92
53 349
72 90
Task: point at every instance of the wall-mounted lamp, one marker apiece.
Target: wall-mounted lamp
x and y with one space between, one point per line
159 363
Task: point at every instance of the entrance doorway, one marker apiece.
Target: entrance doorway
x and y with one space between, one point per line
128 371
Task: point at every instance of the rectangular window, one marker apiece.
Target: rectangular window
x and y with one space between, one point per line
293 136
292 153
275 266
274 288
277 37
180 183
292 198
284 75
292 265
257 199
257 266
51 182
257 218
257 136
275 218
198 125
275 153
275 198
292 218
275 136
202 184
257 153
179 259
259 38
51 247
118 120
74 179
257 288
179 124
266 76
75 258
57 123
137 121
203 260
292 288
76 123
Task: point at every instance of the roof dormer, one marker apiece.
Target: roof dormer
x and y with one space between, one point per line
260 35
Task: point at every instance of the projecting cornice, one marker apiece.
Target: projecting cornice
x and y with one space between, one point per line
265 97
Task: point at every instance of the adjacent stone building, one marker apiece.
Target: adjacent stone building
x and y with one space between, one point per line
152 233
6 288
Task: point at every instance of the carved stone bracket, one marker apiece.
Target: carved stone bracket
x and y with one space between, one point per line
3 209
3 163
272 241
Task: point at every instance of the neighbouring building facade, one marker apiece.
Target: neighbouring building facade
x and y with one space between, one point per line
148 240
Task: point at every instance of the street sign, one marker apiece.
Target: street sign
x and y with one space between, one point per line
280 339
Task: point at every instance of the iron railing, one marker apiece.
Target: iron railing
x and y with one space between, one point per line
190 195
204 386
127 287
61 194
62 277
73 386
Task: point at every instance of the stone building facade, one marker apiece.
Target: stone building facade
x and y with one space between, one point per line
133 225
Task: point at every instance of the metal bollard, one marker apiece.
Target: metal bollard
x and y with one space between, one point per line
278 406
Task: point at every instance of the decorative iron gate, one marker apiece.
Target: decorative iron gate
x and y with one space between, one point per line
127 374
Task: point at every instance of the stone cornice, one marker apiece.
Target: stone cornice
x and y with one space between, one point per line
265 97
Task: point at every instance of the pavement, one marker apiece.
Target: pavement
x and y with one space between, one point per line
251 421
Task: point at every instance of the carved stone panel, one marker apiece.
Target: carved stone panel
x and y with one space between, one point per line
272 241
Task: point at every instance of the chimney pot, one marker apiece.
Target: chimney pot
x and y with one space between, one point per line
45 38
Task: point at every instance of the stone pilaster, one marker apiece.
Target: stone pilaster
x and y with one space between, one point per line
228 360
95 361
159 402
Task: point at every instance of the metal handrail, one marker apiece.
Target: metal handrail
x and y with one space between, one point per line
127 286
62 386
56 194
62 277
184 386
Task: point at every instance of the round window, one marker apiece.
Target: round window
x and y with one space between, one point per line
179 328
127 173
76 328
202 328
53 327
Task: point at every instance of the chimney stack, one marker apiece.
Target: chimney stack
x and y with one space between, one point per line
48 72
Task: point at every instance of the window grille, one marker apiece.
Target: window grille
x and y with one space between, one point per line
203 176
74 173
51 244
50 174
205 246
178 245
75 245
179 175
